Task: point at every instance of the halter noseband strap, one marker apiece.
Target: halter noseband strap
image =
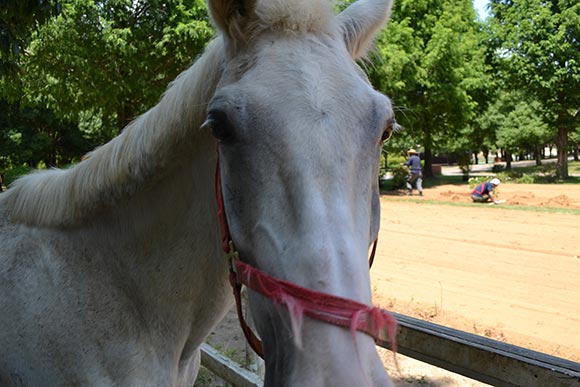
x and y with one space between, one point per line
321 306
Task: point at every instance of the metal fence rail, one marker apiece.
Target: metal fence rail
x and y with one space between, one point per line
476 357
486 360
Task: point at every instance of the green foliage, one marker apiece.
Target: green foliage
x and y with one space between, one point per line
474 181
544 174
511 176
395 161
90 70
17 19
519 123
113 58
464 163
32 136
399 177
14 173
497 168
538 50
526 179
383 164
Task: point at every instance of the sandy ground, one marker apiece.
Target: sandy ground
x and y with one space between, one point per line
512 275
534 195
508 272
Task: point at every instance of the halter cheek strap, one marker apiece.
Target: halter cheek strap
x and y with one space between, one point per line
232 256
339 311
221 211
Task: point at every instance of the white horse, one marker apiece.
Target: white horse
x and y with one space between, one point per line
111 272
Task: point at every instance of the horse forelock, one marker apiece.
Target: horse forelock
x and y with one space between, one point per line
125 164
302 16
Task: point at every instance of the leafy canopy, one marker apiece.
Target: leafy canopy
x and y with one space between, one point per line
538 50
113 58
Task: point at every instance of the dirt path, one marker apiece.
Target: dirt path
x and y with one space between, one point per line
512 275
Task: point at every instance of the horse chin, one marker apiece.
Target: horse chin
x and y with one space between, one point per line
339 361
340 370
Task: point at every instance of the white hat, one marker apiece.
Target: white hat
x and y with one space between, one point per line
495 181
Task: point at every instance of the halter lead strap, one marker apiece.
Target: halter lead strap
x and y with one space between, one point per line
321 306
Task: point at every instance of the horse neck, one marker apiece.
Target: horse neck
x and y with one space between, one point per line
165 242
165 236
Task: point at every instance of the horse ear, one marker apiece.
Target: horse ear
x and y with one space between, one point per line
361 22
233 17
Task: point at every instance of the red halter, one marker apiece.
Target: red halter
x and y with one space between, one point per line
321 306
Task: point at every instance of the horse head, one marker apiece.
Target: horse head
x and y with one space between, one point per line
299 131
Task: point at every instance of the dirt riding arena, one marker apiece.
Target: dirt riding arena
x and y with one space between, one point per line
509 272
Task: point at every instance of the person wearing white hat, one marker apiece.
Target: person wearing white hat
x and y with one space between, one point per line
483 192
415 173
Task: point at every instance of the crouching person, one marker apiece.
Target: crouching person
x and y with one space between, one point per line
483 192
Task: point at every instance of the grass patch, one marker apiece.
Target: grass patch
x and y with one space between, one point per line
540 174
443 180
206 378
570 211
429 182
574 167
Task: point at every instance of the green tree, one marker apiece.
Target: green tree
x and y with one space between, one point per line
17 19
521 129
33 137
433 67
539 51
112 59
90 70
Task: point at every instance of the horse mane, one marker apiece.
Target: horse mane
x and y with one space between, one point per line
125 164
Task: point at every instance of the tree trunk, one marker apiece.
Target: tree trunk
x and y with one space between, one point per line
562 163
428 155
538 155
124 117
508 159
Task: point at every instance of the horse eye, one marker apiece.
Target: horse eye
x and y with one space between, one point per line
221 128
387 133
392 126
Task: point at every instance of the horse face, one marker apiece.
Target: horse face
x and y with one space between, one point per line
300 131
